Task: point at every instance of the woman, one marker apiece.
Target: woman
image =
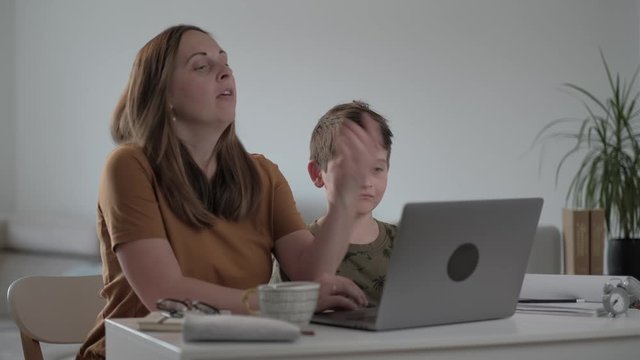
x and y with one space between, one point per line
185 212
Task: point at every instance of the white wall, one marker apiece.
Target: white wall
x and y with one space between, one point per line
465 84
7 98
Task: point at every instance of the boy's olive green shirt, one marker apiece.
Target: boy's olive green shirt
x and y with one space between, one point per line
367 264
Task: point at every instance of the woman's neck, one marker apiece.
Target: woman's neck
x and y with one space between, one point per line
200 142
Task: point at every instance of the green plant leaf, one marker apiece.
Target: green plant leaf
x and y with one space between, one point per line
608 140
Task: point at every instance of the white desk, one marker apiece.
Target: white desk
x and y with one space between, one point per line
523 336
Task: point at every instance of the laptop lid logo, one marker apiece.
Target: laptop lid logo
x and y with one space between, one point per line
463 262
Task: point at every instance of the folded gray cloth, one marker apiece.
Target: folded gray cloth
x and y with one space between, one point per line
237 328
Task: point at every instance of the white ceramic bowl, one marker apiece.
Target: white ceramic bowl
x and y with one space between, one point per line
293 301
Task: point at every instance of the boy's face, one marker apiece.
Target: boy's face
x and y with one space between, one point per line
373 189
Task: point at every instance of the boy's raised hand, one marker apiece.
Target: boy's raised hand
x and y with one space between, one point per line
356 147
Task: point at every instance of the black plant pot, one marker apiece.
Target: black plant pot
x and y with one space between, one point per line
623 257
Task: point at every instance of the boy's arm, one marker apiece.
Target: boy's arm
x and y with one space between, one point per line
304 256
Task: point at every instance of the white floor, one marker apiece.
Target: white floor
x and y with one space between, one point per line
11 349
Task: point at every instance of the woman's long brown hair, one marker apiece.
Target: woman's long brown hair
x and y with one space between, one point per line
142 117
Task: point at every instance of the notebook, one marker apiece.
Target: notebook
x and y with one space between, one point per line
452 262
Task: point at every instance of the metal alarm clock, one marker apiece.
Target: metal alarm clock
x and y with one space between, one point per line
615 298
620 295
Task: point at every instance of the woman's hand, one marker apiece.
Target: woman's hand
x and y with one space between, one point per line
338 292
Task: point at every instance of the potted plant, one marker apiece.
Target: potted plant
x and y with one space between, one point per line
608 139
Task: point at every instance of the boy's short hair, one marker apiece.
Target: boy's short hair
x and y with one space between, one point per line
322 146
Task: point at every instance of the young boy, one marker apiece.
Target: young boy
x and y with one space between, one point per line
370 246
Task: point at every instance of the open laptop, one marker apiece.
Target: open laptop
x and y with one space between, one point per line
452 262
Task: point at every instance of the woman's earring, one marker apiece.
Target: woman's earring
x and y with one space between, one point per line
173 115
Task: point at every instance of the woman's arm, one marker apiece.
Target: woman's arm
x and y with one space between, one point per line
153 272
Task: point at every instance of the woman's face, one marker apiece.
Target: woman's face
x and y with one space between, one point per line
202 88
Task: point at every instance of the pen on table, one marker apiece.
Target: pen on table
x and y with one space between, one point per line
547 301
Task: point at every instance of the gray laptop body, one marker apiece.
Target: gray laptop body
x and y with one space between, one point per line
452 262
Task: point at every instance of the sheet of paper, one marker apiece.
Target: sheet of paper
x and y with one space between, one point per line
590 309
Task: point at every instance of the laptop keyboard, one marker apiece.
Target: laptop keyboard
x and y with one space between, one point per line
364 314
